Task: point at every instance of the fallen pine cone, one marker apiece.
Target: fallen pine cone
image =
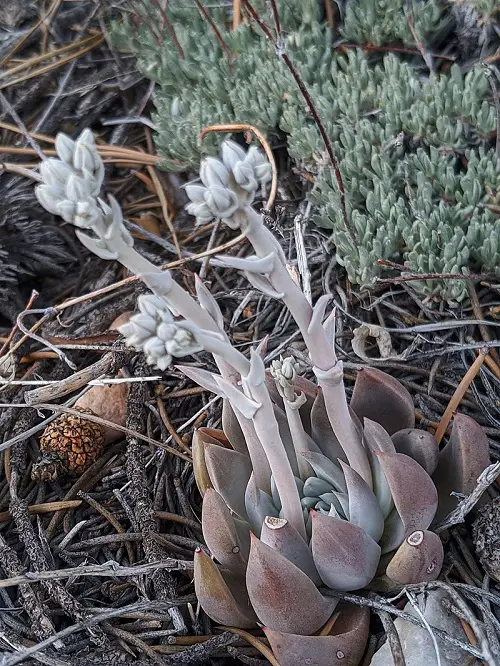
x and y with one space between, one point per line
70 444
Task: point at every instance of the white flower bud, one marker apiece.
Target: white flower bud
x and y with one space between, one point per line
245 177
151 306
213 172
196 193
166 332
222 202
84 158
201 212
86 138
65 148
144 322
163 362
260 164
154 349
55 172
86 214
183 342
288 368
264 173
183 337
134 335
77 189
254 156
231 154
66 209
45 195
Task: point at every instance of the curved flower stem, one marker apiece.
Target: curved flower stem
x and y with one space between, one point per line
322 353
327 367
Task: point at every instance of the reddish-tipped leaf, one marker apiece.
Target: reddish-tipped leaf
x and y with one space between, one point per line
284 538
283 597
221 535
201 437
381 398
222 596
418 560
343 646
419 445
461 462
345 556
412 489
229 473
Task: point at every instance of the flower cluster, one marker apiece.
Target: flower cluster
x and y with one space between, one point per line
155 332
228 185
70 188
71 184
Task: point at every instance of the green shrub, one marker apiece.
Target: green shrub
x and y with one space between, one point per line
416 150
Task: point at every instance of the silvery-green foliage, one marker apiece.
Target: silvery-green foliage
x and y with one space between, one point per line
415 151
384 21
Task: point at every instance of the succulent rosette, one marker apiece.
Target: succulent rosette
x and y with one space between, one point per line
303 493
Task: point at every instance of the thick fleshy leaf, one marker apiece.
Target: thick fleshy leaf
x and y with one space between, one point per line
343 646
229 472
364 509
258 505
381 398
203 436
414 493
418 560
201 377
278 534
207 301
461 462
252 264
419 445
222 596
241 433
263 284
322 433
345 556
394 532
283 597
377 439
314 487
232 428
98 247
325 469
242 402
220 534
318 315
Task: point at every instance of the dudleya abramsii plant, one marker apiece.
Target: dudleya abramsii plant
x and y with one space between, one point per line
301 491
